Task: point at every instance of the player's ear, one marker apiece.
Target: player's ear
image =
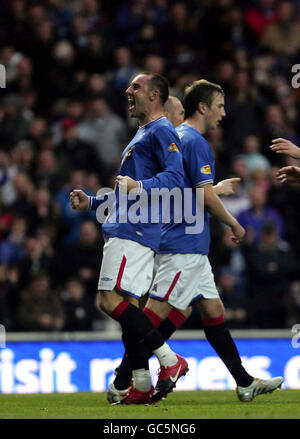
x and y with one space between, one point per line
153 95
202 107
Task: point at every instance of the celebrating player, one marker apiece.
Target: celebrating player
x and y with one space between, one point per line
147 162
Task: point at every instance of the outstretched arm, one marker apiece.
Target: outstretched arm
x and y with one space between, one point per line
226 187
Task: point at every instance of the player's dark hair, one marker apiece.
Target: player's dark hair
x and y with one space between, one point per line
199 91
160 83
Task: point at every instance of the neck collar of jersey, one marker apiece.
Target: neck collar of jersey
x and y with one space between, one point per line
151 121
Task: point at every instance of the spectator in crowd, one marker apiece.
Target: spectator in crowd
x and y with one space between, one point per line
23 156
271 267
76 153
39 256
105 131
12 248
48 173
155 64
283 37
96 86
260 15
77 34
254 218
41 212
13 124
40 309
176 32
37 128
147 42
8 171
80 310
95 56
254 159
133 15
24 189
245 111
62 83
83 257
234 299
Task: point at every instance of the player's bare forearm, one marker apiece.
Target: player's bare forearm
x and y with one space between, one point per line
216 208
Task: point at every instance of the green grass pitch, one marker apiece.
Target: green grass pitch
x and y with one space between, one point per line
283 404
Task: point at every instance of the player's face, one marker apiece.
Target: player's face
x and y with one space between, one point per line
176 116
215 112
138 96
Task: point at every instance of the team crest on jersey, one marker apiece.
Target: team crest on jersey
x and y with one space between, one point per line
127 155
205 169
173 147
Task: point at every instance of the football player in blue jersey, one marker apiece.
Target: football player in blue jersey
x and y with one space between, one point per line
151 160
184 275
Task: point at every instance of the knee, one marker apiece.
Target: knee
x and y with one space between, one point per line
162 309
212 310
187 312
221 309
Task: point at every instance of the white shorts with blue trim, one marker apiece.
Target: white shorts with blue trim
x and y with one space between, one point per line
127 265
181 279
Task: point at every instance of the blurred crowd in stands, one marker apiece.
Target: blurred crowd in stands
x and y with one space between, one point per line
64 123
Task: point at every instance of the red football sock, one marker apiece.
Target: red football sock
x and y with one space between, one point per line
118 311
177 318
153 317
212 322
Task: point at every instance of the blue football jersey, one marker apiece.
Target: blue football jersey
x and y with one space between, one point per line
154 158
199 167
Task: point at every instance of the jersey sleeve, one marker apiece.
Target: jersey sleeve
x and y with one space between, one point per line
166 147
96 201
200 164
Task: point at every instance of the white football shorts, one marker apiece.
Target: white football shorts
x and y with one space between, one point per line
181 279
128 265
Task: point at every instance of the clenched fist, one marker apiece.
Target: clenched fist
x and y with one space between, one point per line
79 200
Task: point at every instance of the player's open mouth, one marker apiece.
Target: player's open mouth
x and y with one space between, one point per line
131 103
